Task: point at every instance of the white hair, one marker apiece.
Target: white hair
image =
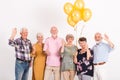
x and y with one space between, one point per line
23 29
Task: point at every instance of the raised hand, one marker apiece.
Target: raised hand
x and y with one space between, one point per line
14 32
62 47
108 40
63 42
86 46
106 37
34 49
88 52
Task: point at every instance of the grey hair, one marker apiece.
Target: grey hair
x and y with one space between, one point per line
39 34
53 27
69 36
23 29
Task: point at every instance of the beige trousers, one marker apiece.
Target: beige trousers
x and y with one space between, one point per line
68 75
52 71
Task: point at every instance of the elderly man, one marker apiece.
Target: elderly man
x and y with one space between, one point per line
23 47
101 52
52 48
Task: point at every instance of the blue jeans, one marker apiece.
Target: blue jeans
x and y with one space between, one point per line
21 70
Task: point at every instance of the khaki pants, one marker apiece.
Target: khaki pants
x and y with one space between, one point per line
52 69
68 75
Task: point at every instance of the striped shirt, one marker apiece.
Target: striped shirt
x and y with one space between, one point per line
22 48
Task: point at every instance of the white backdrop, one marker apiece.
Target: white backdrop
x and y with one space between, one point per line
40 15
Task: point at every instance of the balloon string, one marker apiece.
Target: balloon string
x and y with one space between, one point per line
82 30
75 29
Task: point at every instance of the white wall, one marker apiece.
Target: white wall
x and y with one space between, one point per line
40 15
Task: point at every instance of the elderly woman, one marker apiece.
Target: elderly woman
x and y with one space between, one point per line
67 51
84 60
39 58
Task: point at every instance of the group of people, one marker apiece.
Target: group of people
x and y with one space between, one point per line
60 57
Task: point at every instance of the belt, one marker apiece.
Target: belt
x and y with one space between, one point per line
24 60
101 63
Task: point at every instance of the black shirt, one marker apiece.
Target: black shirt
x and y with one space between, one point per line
83 65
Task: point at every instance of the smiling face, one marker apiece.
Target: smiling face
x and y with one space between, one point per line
82 42
69 38
40 37
24 33
54 31
98 37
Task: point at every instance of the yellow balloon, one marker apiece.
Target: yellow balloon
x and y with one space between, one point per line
86 15
79 4
76 15
70 21
68 7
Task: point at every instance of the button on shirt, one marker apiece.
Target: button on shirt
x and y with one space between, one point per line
101 52
53 46
22 48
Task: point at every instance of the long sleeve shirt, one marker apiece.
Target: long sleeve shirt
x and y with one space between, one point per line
22 48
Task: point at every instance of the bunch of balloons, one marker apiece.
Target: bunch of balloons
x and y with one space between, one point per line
77 12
